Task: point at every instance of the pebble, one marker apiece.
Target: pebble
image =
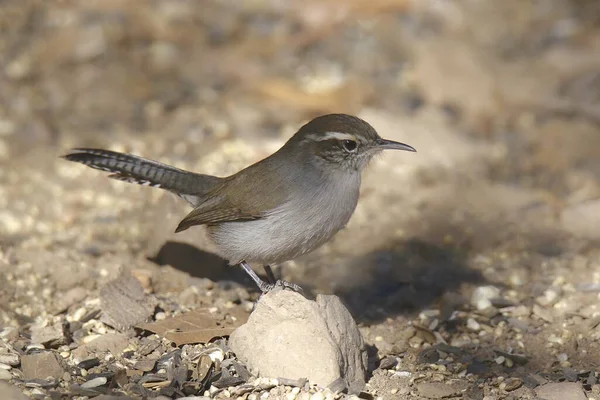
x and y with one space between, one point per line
511 384
436 390
304 396
217 354
5 375
473 325
549 297
388 362
92 383
10 359
481 297
317 396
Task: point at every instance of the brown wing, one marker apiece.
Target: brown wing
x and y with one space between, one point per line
244 196
203 216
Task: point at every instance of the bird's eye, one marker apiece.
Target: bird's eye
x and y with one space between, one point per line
349 145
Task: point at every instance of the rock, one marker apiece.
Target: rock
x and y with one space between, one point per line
114 343
292 337
124 302
10 392
44 334
561 391
41 366
437 390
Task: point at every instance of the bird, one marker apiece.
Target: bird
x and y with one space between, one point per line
275 210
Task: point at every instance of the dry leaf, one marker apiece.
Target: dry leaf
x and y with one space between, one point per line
199 326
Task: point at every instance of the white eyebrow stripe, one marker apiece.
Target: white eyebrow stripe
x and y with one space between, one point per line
332 135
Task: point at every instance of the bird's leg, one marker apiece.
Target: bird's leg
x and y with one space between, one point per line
264 286
270 274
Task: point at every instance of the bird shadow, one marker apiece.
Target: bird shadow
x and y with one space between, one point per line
405 276
200 264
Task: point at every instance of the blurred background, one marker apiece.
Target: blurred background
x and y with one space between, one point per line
500 98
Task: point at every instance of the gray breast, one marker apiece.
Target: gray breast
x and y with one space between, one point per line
298 226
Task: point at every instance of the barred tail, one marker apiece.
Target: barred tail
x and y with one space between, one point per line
134 169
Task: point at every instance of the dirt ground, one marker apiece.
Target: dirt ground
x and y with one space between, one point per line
472 266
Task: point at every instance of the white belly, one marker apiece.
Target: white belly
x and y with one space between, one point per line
294 228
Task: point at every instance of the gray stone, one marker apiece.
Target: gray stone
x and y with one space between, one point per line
289 336
41 366
124 302
561 391
43 334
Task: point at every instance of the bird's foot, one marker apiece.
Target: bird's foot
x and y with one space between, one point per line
280 284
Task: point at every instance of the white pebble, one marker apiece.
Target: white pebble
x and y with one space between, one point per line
217 355
482 295
473 325
317 396
92 383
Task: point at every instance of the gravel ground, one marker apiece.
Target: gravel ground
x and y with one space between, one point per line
472 267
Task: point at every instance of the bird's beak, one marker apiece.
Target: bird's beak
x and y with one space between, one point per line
390 144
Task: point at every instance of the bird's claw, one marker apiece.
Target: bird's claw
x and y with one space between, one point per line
280 284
